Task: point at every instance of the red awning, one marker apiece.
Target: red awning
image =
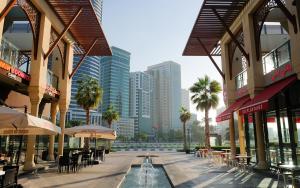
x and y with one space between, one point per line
233 107
261 101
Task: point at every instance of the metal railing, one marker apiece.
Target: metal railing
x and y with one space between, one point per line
52 79
277 57
13 56
241 79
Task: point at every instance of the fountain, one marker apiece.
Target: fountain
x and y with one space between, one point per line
146 176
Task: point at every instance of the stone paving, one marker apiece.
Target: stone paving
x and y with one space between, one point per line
185 171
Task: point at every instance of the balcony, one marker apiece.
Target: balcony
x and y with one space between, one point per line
241 80
10 54
52 80
276 58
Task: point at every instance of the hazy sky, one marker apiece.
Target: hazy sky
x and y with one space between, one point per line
154 31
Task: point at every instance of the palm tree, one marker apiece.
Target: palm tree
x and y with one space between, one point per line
205 96
185 115
110 115
88 96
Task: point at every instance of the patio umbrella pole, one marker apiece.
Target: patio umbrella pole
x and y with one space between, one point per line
20 148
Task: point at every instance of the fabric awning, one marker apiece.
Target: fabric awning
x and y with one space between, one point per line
233 107
13 122
261 101
92 131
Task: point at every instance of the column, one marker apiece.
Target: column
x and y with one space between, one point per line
51 157
37 85
232 137
2 6
261 152
62 121
35 99
241 135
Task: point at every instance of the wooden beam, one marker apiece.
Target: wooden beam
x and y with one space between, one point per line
62 33
7 8
297 4
241 48
286 12
211 58
82 58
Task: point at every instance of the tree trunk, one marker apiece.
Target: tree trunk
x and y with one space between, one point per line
108 141
207 140
184 137
87 140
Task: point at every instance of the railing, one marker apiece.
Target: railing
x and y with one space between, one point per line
241 79
13 56
52 79
277 57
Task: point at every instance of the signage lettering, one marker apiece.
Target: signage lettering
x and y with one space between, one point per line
255 108
282 72
14 71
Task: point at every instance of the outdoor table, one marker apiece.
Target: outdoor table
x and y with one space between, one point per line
203 152
226 156
226 150
217 156
243 160
2 173
291 168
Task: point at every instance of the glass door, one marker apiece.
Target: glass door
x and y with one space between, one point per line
250 134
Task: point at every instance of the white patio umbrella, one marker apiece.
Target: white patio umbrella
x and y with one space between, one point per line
13 122
92 131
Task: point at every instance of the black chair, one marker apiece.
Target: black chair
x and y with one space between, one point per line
77 162
8 167
9 178
64 162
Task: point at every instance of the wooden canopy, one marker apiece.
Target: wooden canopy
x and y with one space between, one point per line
86 29
209 28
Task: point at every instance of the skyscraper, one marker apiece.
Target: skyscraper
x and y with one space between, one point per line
166 95
139 101
115 81
185 99
90 67
115 84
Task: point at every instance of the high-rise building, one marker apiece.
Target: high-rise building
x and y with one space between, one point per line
90 67
98 6
139 101
115 81
166 95
185 99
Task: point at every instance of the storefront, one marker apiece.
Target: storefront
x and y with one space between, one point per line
279 104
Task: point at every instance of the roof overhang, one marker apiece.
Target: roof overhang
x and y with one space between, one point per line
86 27
209 28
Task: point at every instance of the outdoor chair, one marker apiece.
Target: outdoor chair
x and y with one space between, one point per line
8 167
91 159
9 179
77 163
285 175
64 162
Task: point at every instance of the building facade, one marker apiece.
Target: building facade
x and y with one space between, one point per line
166 95
90 67
185 99
260 70
36 59
140 101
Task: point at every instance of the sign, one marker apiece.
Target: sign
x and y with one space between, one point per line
14 71
52 91
279 73
254 108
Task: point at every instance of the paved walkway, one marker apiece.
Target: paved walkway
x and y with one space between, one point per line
185 171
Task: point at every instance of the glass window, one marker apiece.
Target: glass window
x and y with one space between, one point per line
274 150
283 54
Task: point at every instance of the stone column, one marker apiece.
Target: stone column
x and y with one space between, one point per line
232 137
62 121
2 6
51 157
241 134
261 152
35 95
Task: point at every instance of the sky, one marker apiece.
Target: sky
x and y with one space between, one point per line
154 31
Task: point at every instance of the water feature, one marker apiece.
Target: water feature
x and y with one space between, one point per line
146 176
